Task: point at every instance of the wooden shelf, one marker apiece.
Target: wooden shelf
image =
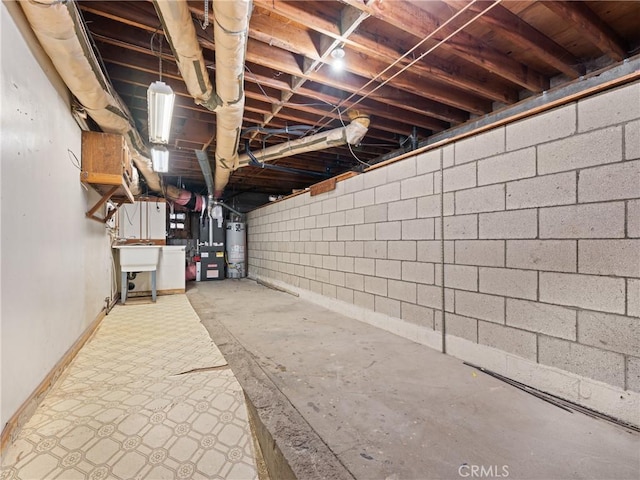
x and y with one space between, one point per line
106 167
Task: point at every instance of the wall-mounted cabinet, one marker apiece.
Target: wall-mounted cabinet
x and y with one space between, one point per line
106 166
145 220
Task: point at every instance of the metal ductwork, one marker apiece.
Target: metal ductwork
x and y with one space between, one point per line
230 31
351 134
62 35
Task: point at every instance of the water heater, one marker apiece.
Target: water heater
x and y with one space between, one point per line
236 241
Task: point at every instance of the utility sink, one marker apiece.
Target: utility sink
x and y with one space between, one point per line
139 258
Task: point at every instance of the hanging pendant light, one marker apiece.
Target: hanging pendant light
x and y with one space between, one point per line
160 100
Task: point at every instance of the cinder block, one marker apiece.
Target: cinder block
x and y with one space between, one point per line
422 316
329 290
375 177
389 230
366 231
550 255
632 140
633 374
315 208
387 306
375 285
337 219
322 220
354 249
482 199
430 296
557 123
310 222
512 340
354 281
405 291
508 166
607 367
422 229
344 202
346 233
419 186
316 235
448 155
337 278
322 275
375 213
364 198
462 327
609 257
329 205
354 216
461 227
316 287
478 305
353 184
403 169
513 224
336 249
389 269
594 220
462 277
375 249
402 250
509 282
329 262
457 178
610 182
365 266
329 234
310 272
429 251
345 264
364 300
542 191
418 272
542 318
604 294
427 162
402 210
480 146
609 332
633 297
633 218
487 253
592 148
389 192
429 206
609 108
344 294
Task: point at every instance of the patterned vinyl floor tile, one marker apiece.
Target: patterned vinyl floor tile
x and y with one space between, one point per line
140 401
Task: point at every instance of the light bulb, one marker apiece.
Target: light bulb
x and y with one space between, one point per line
160 99
160 158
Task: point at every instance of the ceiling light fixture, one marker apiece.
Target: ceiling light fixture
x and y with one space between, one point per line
160 100
160 158
338 58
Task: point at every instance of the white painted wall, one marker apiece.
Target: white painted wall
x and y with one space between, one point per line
56 264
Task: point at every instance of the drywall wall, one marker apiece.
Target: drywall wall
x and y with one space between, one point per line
56 264
541 249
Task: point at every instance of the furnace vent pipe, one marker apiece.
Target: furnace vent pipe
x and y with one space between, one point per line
351 134
230 31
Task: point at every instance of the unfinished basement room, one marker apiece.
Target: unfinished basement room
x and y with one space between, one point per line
320 239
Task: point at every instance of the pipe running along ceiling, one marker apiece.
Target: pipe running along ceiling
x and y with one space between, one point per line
60 30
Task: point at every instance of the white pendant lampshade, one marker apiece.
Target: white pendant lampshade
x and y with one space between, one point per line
160 99
160 158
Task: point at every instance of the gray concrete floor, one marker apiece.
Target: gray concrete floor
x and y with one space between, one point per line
343 399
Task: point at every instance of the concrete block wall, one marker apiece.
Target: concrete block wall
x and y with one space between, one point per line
540 234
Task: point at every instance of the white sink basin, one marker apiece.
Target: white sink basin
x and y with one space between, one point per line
138 258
